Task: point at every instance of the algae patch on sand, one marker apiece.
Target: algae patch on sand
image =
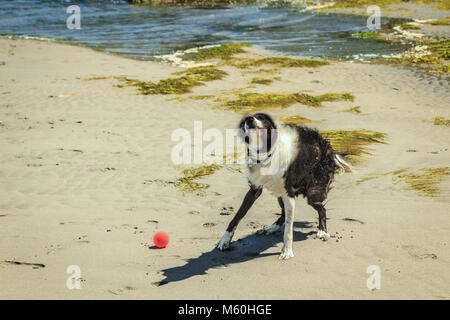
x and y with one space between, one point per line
224 51
190 78
188 182
297 120
354 110
440 121
375 176
426 181
252 102
261 81
408 26
366 34
436 57
283 62
353 144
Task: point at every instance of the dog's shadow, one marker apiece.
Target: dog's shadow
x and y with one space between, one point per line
244 249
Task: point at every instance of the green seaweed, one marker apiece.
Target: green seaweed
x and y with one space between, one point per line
202 97
298 120
251 102
436 61
408 26
375 176
188 182
101 78
442 22
440 121
283 62
366 34
192 77
266 71
355 110
332 97
426 181
442 4
203 73
261 81
165 86
353 143
224 51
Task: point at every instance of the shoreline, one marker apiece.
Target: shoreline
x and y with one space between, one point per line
416 49
393 33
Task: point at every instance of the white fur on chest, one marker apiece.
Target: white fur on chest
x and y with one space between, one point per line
287 148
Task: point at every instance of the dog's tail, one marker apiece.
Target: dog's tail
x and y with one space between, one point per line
342 164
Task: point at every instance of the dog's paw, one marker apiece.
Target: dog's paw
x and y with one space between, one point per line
224 243
323 235
269 230
286 254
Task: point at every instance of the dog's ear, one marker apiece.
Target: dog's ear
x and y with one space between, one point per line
266 120
242 123
242 134
270 126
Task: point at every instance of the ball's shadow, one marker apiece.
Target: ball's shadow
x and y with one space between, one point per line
244 249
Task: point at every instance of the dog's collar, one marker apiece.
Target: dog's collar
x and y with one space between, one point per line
267 159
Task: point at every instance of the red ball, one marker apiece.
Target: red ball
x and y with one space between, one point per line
161 239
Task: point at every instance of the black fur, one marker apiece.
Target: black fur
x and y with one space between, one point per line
312 171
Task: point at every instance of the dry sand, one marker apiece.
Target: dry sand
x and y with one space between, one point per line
76 189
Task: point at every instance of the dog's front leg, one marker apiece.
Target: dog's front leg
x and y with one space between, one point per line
289 207
249 199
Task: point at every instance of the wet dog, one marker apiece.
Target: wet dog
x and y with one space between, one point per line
288 161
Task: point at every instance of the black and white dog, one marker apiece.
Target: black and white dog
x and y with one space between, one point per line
288 161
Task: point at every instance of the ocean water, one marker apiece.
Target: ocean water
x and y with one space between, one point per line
149 33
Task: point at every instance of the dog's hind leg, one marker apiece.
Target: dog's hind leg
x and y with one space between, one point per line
277 224
289 204
249 199
316 200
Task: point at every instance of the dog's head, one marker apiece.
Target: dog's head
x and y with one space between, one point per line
259 132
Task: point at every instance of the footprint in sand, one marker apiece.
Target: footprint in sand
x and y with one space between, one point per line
82 239
52 249
226 211
255 225
209 224
119 291
417 253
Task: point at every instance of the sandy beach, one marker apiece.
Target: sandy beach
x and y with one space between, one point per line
86 179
